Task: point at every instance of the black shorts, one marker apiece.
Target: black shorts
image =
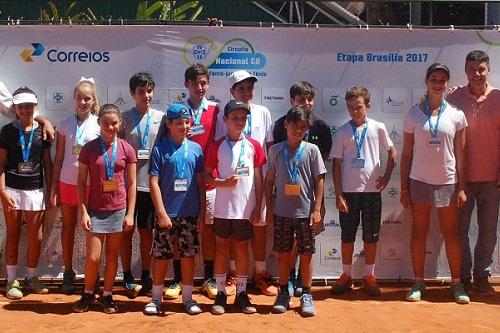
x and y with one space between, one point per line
144 211
364 207
240 230
185 231
284 230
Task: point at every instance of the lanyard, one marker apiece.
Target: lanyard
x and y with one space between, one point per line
433 128
80 130
359 140
110 166
248 128
240 162
143 140
26 149
197 113
180 162
293 172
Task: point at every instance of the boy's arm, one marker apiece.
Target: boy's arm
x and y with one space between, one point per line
218 182
268 193
203 200
406 160
340 201
258 183
128 223
319 184
392 155
48 131
163 218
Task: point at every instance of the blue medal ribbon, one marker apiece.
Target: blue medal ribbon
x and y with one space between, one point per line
26 149
240 162
293 172
197 113
180 162
80 130
433 128
143 140
248 128
110 166
359 140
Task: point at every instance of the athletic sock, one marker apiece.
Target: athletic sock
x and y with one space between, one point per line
11 272
369 270
220 279
157 292
241 286
187 293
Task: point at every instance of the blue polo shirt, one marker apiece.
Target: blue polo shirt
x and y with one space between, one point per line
163 163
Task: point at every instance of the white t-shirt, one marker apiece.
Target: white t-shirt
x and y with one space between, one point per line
260 119
67 127
434 164
235 202
344 147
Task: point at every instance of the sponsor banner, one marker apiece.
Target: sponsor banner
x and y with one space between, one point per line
390 62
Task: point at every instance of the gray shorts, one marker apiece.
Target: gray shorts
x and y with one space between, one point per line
433 195
240 230
106 222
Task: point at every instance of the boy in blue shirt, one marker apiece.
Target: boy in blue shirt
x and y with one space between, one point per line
178 194
297 171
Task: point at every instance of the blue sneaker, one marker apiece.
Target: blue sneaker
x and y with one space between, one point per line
282 302
307 308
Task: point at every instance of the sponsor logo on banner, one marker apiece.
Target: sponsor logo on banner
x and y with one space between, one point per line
222 60
36 51
329 254
63 55
332 224
360 254
395 135
392 192
119 99
333 101
213 98
395 100
58 97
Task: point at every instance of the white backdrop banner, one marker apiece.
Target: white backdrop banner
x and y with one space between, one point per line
390 62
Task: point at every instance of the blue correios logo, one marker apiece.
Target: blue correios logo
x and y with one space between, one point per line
37 51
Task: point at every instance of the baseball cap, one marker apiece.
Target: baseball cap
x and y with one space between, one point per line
235 105
437 67
24 97
178 111
239 76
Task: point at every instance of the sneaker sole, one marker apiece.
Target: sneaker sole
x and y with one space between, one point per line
217 311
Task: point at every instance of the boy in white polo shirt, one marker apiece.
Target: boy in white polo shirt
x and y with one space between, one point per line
238 160
358 181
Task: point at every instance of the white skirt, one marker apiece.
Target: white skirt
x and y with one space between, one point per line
29 200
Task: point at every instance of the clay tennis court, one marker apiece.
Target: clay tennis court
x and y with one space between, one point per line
353 312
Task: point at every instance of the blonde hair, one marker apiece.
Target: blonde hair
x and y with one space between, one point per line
95 107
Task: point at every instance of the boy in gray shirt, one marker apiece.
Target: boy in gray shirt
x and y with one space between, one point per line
297 171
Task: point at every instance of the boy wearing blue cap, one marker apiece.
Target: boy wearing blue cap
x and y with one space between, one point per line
178 194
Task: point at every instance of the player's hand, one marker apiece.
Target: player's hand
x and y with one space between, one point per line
164 222
341 204
85 222
315 218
